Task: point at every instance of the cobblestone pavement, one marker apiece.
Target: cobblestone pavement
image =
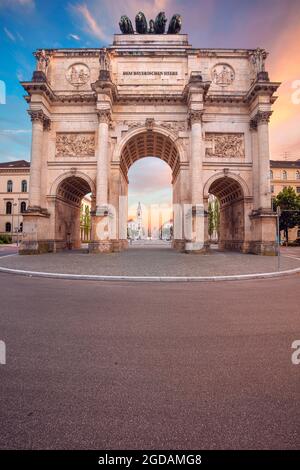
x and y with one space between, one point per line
150 261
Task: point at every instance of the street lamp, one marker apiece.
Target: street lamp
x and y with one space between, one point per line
12 223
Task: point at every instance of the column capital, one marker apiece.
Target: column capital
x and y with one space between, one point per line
195 116
104 115
253 125
38 115
262 117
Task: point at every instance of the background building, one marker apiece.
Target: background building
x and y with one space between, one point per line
14 187
284 173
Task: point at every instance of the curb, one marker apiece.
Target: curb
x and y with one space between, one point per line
94 277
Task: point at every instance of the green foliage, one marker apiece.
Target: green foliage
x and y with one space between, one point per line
217 216
289 202
210 219
213 217
5 239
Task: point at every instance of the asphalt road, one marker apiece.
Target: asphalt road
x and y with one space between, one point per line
166 366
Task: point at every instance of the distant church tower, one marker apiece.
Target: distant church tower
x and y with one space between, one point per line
139 220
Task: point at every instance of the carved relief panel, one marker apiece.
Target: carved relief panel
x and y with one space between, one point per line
222 75
78 75
224 145
73 144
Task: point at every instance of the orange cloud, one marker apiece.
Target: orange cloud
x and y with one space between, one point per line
284 66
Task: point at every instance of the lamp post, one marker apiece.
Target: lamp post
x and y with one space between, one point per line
12 220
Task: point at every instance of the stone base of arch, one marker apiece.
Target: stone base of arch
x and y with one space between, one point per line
263 229
179 245
35 226
107 246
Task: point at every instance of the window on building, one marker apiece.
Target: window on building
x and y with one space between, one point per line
284 175
272 188
298 189
271 174
24 186
8 207
8 227
21 227
23 206
9 186
297 175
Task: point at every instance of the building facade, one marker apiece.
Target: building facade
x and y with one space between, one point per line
14 190
205 112
284 173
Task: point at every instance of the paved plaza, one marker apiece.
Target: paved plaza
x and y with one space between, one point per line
153 260
149 365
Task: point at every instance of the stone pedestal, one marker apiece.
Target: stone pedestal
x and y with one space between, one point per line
35 223
199 240
263 227
179 245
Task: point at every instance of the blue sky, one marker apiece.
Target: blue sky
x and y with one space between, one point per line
26 25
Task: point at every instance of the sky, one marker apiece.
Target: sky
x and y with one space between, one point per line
26 25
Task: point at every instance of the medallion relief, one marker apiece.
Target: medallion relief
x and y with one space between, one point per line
75 145
78 74
222 74
224 145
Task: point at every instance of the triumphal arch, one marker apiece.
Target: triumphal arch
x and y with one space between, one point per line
205 112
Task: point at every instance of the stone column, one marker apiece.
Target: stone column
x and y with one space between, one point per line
38 121
197 243
262 119
262 219
102 162
255 164
196 156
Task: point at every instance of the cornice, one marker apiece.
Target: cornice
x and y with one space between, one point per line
15 170
261 88
38 88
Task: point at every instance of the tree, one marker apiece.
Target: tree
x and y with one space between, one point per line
217 217
210 219
213 217
289 203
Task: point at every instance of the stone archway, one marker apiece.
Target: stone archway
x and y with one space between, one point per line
142 143
69 192
231 196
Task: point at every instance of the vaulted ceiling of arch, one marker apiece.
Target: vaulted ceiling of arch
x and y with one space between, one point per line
73 189
227 190
150 144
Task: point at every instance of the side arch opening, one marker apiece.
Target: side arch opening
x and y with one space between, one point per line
230 227
73 203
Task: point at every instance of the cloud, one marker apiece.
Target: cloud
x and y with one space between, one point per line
14 131
17 3
20 75
74 36
9 34
91 26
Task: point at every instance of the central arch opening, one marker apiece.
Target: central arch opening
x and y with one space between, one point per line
152 186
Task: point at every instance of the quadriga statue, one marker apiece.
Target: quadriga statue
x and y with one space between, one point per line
175 24
160 23
141 23
126 25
